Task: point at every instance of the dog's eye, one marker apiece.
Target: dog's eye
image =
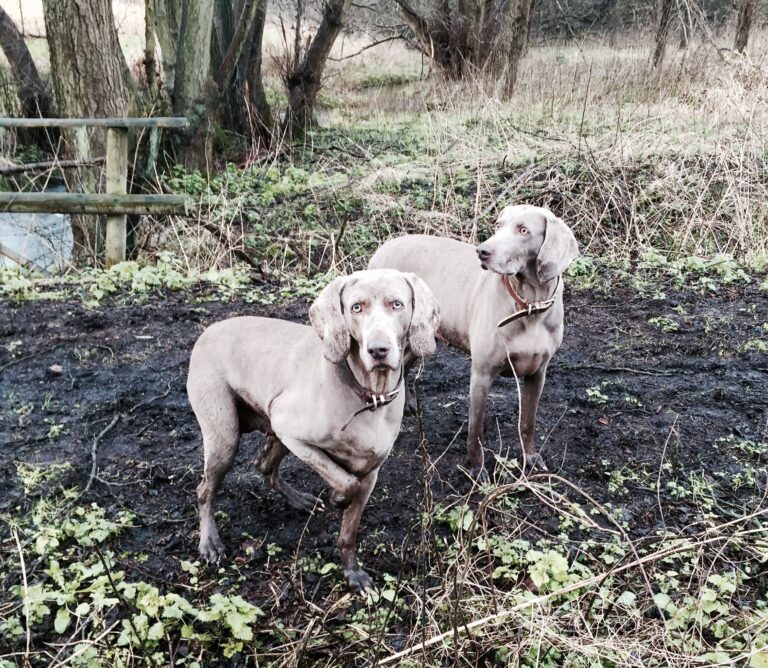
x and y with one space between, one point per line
357 307
397 304
523 230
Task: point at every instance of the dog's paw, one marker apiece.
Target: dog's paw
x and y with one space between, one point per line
212 550
534 463
479 474
305 503
341 501
358 580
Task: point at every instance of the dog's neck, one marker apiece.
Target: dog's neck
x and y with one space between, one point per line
378 381
526 283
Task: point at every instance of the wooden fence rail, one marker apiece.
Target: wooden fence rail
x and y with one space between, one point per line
115 203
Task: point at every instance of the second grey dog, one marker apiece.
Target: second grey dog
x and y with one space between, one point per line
511 312
329 396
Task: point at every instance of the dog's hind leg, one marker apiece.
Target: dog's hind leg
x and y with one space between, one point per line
268 464
220 447
409 385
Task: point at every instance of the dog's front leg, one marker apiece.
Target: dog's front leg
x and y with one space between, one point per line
268 464
345 485
479 386
530 393
357 579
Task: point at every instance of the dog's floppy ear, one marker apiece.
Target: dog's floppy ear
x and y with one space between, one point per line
426 317
328 321
557 251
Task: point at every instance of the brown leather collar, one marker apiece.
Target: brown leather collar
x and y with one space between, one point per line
526 307
371 399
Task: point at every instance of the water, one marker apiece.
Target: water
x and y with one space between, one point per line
43 239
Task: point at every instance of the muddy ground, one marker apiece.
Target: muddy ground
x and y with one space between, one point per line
669 397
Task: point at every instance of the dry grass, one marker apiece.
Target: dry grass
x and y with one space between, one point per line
673 158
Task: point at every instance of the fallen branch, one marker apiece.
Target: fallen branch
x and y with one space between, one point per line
619 369
18 259
94 446
369 46
8 168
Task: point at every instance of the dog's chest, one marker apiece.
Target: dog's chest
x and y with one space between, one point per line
528 345
365 443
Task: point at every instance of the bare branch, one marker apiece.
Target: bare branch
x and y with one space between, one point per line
369 46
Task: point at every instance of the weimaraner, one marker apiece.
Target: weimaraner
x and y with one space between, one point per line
329 396
513 312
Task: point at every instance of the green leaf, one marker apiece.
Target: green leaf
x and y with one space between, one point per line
759 659
662 601
627 599
61 622
329 567
156 631
718 658
239 625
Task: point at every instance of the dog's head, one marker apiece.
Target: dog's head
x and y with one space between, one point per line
382 310
527 235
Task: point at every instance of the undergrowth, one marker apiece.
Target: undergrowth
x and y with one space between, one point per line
588 592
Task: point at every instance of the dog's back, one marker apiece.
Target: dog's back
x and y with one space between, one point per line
451 270
239 361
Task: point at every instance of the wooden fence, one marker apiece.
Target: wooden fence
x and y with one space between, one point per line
116 203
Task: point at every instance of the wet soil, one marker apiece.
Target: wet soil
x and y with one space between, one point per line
668 398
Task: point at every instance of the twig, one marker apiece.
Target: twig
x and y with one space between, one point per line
119 595
95 444
237 249
84 646
16 361
507 189
31 355
661 466
26 594
20 259
152 399
618 369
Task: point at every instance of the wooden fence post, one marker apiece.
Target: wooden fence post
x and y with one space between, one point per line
117 177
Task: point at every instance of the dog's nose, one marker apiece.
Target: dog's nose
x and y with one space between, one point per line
378 350
484 253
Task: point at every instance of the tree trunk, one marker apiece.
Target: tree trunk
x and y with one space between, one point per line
665 16
236 60
743 25
257 116
32 92
304 81
237 31
86 86
167 17
485 36
509 44
193 54
150 49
